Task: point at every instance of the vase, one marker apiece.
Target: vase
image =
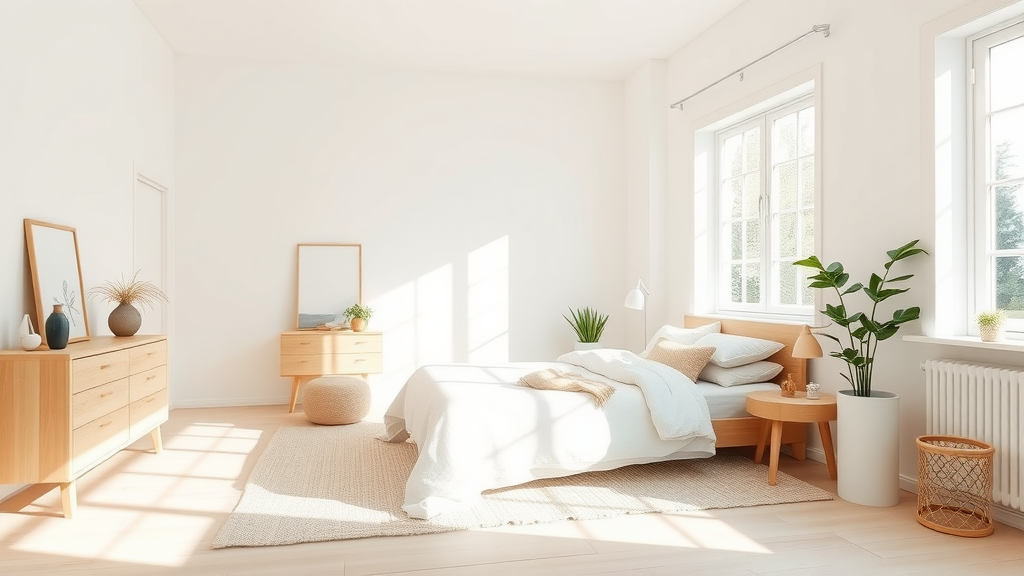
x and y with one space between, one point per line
26 327
57 328
868 448
991 333
586 346
357 324
125 320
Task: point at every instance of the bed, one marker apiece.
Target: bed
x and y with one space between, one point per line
475 429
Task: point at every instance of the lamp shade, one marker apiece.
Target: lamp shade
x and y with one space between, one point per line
635 298
806 345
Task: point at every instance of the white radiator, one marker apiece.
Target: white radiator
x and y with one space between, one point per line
983 403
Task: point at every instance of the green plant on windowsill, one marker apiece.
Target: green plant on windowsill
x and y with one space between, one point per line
990 323
587 323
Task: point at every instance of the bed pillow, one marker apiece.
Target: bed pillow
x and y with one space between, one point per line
732 350
761 371
689 360
680 335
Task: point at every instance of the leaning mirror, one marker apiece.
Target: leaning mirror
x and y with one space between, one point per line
56 276
330 278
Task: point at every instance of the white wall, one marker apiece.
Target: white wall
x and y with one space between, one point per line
87 91
485 207
874 199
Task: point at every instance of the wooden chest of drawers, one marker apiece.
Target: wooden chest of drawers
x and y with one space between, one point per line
308 354
62 412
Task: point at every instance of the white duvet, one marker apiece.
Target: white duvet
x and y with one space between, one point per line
476 430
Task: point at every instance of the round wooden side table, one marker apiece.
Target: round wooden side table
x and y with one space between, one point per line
775 409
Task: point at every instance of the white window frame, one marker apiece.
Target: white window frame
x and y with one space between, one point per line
769 305
981 254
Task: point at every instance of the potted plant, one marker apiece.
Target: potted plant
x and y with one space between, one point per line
358 316
125 319
588 325
990 325
868 420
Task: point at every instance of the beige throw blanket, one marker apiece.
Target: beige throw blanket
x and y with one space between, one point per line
551 379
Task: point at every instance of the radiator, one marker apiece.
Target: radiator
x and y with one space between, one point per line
984 403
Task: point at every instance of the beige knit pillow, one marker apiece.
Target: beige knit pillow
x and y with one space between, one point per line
689 360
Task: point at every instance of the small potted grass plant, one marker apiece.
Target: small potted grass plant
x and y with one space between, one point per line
588 324
125 319
990 325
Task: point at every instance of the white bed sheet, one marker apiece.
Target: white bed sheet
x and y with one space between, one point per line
730 401
476 430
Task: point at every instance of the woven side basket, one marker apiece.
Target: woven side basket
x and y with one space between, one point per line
955 485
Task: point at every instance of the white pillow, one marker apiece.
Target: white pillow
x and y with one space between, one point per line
687 336
762 371
732 350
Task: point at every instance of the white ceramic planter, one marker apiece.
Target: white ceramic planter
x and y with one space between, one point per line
586 346
868 448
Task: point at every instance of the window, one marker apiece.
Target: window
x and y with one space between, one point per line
997 147
765 211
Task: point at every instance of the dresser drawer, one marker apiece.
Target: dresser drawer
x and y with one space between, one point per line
331 343
318 364
95 402
99 438
92 371
147 413
149 356
145 383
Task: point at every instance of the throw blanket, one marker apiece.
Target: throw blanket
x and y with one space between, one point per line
552 379
677 407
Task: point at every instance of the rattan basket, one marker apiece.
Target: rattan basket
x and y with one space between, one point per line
955 485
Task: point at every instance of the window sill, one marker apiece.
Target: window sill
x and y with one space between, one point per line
969 342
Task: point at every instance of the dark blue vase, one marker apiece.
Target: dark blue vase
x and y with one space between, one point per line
57 328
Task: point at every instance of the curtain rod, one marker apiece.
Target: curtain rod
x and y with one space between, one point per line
823 28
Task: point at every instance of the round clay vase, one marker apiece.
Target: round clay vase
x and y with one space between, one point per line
57 328
357 324
125 320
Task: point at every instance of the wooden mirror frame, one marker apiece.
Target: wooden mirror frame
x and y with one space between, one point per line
56 275
329 279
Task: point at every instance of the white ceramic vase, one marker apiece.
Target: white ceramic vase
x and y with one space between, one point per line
868 448
586 346
26 327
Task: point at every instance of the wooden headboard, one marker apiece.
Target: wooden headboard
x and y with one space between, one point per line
785 333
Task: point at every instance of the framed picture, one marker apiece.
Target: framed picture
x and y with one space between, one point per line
56 275
330 279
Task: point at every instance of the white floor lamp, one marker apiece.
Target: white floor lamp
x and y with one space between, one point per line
635 301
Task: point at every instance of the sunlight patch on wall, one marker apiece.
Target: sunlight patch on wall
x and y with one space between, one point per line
487 303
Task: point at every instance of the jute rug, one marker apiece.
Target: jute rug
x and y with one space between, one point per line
313 484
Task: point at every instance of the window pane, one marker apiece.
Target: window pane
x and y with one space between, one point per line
1010 283
752 149
806 232
752 194
753 250
752 277
1007 130
731 161
787 235
737 283
806 123
737 241
785 185
787 283
1009 229
1007 81
807 297
784 140
732 197
807 181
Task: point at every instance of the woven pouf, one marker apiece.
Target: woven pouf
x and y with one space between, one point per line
332 400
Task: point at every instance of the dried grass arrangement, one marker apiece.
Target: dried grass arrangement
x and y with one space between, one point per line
130 292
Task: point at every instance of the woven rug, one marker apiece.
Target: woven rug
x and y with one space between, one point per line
313 484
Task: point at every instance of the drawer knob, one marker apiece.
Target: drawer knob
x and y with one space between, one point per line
105 394
150 377
107 423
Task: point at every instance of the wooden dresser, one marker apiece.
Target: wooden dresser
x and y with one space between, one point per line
308 354
63 412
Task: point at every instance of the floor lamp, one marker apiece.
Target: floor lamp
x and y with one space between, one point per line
635 301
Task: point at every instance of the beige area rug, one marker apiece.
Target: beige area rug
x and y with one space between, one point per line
313 484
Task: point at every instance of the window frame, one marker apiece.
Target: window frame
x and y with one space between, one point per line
981 253
763 118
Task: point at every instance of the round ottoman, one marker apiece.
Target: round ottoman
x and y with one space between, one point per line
335 400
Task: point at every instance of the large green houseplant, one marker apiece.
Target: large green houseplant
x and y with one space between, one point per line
867 421
863 330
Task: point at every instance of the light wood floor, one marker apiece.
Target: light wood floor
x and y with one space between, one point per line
141 513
